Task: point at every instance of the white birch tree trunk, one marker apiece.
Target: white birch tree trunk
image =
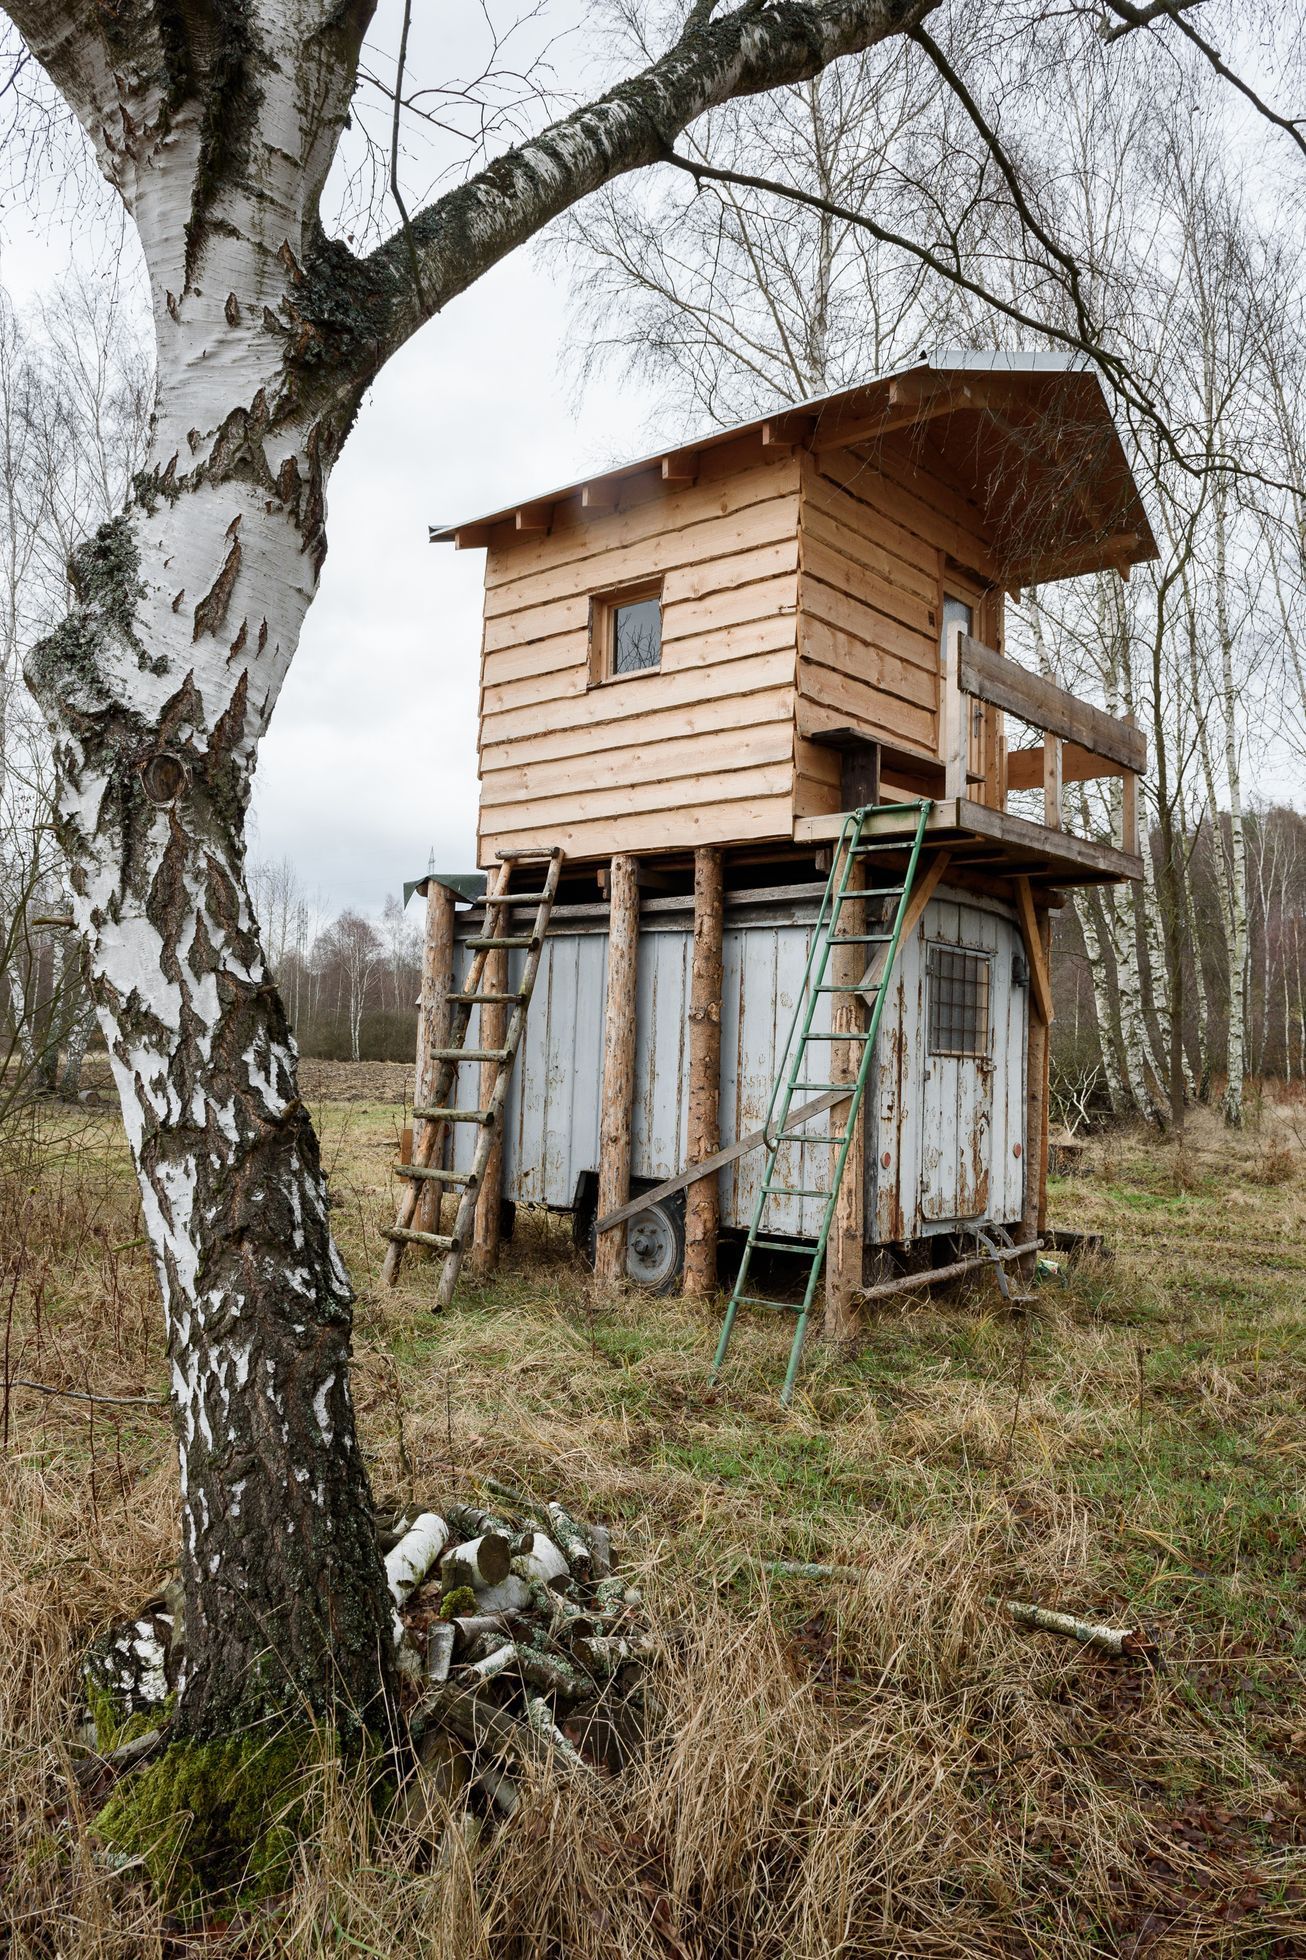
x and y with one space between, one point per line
1106 1034
157 689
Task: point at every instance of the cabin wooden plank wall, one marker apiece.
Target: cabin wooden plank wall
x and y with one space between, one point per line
883 538
706 740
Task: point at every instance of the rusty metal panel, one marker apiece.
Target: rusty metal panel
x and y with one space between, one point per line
661 1115
947 1124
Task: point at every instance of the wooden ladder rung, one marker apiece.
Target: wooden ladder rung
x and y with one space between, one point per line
486 1000
505 940
451 1115
436 1175
520 899
470 1054
529 851
436 1240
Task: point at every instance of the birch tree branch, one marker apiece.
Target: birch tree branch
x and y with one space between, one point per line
748 51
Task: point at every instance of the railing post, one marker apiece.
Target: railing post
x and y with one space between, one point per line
1052 781
955 727
1129 807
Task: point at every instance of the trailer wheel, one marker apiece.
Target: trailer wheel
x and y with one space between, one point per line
655 1248
655 1237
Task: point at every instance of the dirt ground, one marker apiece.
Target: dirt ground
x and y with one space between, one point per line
879 1766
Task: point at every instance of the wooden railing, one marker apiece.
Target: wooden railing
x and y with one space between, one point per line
1080 742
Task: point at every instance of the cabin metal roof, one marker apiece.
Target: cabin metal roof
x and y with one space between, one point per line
1029 435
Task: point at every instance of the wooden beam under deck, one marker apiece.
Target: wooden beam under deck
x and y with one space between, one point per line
1033 850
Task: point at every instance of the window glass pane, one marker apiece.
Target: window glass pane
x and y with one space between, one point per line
958 1002
637 636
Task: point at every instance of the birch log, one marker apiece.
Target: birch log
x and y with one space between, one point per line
412 1558
703 1199
432 1032
618 1094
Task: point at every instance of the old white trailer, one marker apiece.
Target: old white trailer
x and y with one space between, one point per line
945 1120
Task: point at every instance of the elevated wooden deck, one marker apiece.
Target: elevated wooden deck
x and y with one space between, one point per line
983 839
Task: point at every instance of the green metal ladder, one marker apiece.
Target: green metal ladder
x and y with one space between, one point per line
794 1067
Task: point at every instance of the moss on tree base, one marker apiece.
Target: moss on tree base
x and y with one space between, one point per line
213 1820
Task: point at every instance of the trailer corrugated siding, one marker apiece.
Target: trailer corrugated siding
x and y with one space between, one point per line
553 1109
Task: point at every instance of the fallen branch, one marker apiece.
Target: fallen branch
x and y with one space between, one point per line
792 1568
1107 1640
84 1395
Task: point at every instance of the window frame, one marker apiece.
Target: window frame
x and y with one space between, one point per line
984 959
604 607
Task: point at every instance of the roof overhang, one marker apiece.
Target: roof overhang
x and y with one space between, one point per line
1030 438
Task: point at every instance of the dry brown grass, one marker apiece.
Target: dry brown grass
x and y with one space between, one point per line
880 1767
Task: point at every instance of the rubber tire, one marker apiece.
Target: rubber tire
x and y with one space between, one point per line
671 1220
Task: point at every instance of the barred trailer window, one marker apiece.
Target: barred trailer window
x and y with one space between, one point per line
958 1001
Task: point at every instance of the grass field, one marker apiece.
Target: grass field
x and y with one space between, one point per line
881 1766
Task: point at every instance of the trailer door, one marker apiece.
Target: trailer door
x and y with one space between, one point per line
957 1100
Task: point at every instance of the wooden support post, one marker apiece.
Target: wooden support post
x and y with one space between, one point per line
618 1096
432 1028
843 1255
1129 813
492 1032
1038 1051
954 722
1052 781
702 1200
1040 979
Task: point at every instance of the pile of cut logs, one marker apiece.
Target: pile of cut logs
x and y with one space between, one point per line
517 1642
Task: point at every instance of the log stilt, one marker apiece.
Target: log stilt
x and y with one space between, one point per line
618 1064
1037 1068
702 1199
843 1258
432 1027
492 1032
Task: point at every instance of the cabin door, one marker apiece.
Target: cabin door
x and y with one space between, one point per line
957 1089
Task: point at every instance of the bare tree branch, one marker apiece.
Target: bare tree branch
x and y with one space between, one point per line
746 52
1133 17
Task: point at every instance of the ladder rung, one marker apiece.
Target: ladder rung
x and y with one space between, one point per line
839 987
436 1175
844 1034
437 1240
823 1088
470 1054
795 1246
485 1000
503 940
512 898
793 1191
451 1115
859 938
530 851
773 1306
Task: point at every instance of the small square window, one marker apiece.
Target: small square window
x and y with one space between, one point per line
958 1001
626 631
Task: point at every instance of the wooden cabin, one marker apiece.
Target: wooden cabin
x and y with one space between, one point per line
693 665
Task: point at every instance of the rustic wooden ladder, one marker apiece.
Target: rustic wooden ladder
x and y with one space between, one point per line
443 1109
784 1121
